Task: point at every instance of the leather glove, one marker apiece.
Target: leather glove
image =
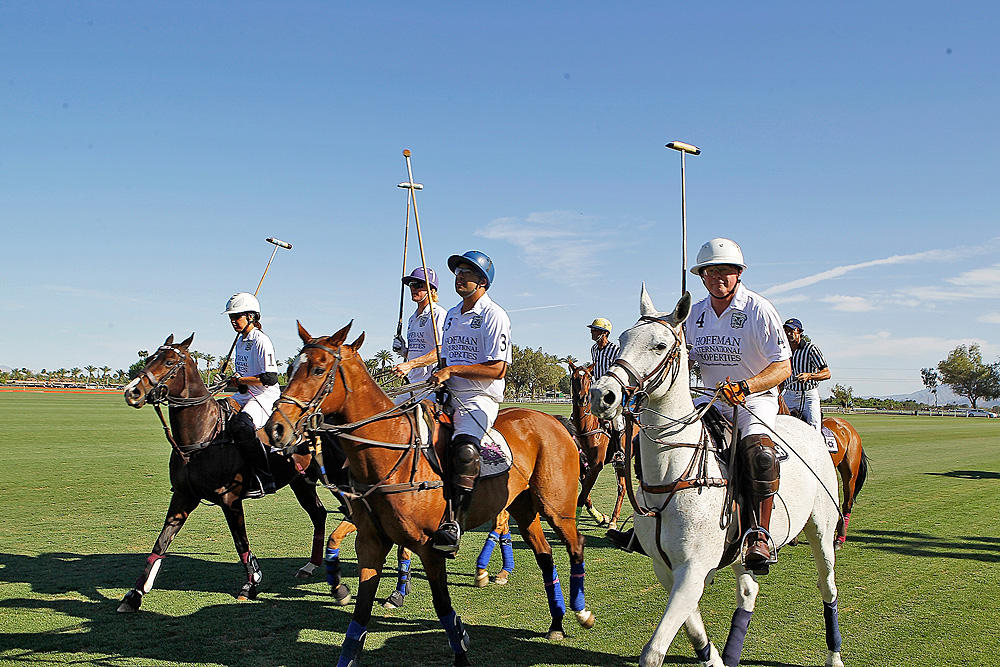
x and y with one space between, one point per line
735 393
399 345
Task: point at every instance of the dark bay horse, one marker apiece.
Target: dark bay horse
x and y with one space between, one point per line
593 441
396 491
850 461
204 467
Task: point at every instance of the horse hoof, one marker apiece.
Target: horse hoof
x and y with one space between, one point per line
555 636
306 571
394 601
462 660
838 544
794 542
586 618
341 595
482 578
651 658
248 592
502 578
131 602
833 659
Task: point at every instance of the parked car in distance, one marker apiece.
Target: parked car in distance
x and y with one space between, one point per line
980 413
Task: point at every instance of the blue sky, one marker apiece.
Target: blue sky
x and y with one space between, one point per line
147 149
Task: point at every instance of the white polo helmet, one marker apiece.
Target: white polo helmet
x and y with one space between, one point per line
242 302
718 251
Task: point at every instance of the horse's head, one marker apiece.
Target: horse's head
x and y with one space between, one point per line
165 374
580 380
318 384
651 358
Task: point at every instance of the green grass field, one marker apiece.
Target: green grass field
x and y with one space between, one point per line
84 489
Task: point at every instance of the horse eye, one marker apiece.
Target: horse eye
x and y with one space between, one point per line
170 363
318 370
661 346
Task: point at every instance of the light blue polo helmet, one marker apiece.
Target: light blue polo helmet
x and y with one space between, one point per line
479 260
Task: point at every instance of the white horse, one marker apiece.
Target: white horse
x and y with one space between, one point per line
684 490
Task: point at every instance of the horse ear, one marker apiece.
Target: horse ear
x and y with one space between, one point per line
187 342
356 344
303 334
338 338
646 308
572 366
682 309
169 340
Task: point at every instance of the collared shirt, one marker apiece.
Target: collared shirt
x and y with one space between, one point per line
602 359
738 344
255 355
806 359
475 337
420 339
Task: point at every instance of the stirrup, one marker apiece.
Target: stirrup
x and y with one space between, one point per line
447 538
763 566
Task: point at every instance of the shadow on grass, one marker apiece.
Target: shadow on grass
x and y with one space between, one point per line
922 545
967 474
290 624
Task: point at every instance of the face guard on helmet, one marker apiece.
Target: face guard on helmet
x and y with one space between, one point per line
242 302
479 260
719 251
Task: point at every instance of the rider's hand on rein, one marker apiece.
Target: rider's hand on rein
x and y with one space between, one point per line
734 393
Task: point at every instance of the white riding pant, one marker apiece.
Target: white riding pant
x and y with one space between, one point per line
474 414
807 404
259 407
764 408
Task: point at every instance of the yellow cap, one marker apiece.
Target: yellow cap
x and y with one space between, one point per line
602 324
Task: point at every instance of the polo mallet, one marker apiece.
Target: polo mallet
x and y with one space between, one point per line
406 241
683 148
413 187
278 243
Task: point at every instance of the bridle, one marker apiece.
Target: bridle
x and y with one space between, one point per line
158 390
312 416
640 384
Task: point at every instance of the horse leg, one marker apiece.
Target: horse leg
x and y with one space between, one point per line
746 598
180 507
499 535
306 494
437 577
707 654
616 512
848 478
395 599
587 485
371 550
530 527
238 528
688 586
567 531
339 590
823 554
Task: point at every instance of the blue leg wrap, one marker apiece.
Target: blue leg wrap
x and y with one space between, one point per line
737 633
403 582
484 556
332 562
507 549
457 636
557 606
354 642
832 626
704 653
576 601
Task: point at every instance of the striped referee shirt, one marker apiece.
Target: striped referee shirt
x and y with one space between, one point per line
602 358
806 359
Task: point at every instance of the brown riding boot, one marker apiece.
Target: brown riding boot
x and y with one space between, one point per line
758 558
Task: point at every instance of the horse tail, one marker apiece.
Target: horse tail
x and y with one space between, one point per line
571 429
862 475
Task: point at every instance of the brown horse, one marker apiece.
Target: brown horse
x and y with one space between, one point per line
852 464
849 459
593 441
396 490
204 467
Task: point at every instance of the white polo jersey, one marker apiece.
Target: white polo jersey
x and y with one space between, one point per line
255 355
475 337
738 344
420 339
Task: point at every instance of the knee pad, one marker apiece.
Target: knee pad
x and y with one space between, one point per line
762 469
466 461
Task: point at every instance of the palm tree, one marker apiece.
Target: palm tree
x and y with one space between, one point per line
384 358
197 356
209 360
90 372
74 373
104 373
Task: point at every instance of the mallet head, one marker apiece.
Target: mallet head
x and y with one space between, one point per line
278 242
415 186
684 148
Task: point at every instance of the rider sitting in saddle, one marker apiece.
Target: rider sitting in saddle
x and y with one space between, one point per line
256 382
602 354
421 345
737 339
475 351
